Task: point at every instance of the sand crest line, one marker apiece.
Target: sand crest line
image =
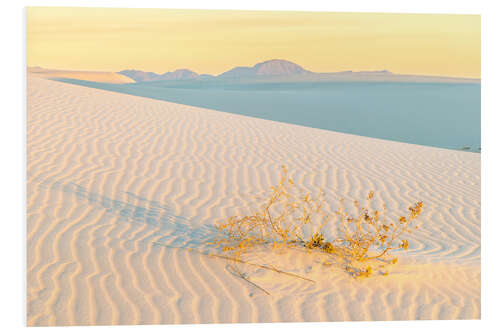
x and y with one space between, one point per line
183 169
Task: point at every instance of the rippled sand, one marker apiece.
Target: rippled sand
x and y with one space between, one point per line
111 175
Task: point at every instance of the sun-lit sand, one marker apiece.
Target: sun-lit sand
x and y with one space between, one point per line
111 176
107 77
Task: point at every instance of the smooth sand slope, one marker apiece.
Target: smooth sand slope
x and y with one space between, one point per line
106 77
111 174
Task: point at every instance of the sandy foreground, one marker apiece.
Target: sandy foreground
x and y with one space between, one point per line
111 175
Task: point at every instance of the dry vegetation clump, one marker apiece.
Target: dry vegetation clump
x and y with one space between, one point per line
291 217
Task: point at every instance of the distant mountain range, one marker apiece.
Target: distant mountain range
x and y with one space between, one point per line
140 76
278 70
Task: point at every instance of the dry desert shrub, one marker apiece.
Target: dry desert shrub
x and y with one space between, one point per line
292 218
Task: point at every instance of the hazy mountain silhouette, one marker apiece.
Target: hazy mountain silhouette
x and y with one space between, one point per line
267 68
279 70
179 74
270 67
139 76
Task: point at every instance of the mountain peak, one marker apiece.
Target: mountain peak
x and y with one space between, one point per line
278 67
138 75
178 74
267 68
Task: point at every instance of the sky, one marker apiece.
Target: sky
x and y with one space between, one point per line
214 41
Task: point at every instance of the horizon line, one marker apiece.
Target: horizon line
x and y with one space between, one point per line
216 75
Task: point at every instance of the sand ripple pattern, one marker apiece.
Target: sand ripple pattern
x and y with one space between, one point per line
110 175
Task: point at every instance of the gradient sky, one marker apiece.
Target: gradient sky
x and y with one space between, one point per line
213 41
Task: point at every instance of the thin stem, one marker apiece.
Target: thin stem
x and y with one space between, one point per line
272 268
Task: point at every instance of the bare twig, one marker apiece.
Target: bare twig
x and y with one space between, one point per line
365 237
271 268
241 275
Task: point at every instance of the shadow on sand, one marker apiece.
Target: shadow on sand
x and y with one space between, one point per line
165 226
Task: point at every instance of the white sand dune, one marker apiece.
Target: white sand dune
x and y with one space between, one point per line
107 77
111 174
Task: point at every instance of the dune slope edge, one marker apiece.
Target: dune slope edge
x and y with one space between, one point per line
111 175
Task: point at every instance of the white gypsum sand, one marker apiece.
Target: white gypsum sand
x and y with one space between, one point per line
111 176
107 77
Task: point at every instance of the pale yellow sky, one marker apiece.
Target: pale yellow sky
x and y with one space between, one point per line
213 41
